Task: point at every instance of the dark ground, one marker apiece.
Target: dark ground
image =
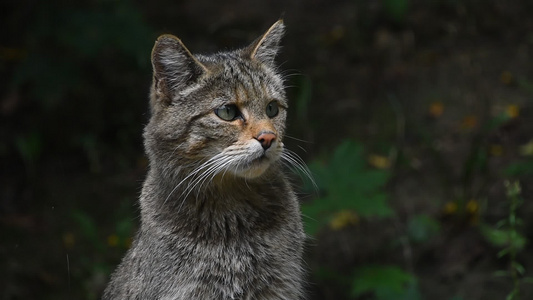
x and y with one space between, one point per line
425 83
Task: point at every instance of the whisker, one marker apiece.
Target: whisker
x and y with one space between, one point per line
215 170
212 169
297 139
302 148
295 161
193 173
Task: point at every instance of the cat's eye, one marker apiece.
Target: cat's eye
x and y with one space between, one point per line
227 112
272 109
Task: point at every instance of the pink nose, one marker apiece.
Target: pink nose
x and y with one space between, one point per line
266 139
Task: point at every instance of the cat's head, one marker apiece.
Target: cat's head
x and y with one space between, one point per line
220 113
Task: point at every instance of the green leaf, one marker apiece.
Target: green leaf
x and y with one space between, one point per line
29 146
411 292
396 9
503 252
522 168
503 237
346 183
383 281
124 228
422 227
88 228
527 280
501 274
518 267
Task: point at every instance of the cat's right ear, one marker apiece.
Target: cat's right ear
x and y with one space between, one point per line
174 67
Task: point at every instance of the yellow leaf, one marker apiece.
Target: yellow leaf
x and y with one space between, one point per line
469 122
342 219
113 240
496 150
379 161
450 208
512 111
436 109
506 77
69 240
472 206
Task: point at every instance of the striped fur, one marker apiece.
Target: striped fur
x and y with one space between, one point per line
219 219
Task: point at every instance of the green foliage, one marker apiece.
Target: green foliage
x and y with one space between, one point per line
421 228
80 36
30 147
506 238
396 9
506 235
77 62
346 184
90 145
88 229
526 85
516 169
385 282
94 268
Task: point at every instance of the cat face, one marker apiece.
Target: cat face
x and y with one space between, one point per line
217 114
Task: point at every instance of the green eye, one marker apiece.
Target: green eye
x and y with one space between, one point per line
227 112
272 109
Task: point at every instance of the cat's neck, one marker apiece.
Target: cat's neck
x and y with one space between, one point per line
223 205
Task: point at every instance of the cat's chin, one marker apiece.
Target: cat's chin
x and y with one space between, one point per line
253 170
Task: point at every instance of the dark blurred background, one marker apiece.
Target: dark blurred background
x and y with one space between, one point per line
413 116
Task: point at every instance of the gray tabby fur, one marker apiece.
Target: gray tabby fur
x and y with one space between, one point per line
219 219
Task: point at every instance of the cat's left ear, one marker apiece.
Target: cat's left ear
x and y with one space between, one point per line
174 66
267 46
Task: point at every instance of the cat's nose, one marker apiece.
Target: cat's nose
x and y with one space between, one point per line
266 139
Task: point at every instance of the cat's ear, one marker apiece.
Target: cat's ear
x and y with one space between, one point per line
174 66
267 46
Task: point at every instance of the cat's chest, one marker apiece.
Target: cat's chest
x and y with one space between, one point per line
224 271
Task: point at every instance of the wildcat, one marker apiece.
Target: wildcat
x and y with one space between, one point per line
219 219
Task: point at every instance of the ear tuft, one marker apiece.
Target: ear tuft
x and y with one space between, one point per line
174 66
266 47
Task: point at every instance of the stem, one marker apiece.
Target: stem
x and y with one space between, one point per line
513 192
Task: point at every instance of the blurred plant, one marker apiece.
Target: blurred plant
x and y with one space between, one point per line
421 228
506 235
475 175
92 149
76 63
396 9
523 167
30 147
89 231
385 283
348 190
79 35
94 265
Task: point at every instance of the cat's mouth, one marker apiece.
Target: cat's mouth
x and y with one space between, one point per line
252 162
255 167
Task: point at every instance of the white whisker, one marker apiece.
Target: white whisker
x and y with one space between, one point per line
297 139
296 162
193 173
213 169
